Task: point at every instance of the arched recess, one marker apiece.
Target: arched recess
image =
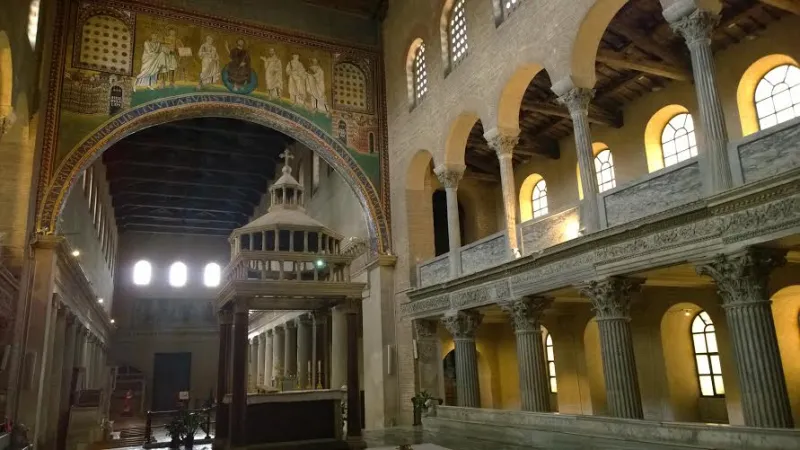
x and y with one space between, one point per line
652 135
597 147
419 210
594 368
745 93
525 196
6 75
786 313
512 94
587 41
221 105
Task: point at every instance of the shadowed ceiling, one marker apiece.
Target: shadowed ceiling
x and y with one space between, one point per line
375 9
198 176
638 53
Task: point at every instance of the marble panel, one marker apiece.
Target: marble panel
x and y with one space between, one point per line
485 253
658 192
539 234
775 152
434 271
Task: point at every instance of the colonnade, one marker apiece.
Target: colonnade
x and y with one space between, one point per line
741 278
696 27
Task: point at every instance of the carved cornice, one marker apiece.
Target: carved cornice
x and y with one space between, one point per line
611 297
449 175
742 278
697 27
577 101
526 313
425 328
462 324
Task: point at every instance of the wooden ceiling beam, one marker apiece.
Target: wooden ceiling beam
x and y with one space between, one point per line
142 192
135 217
123 206
131 146
620 61
790 6
596 114
643 41
167 180
197 168
180 227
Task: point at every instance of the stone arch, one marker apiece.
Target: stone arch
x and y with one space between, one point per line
455 145
222 105
512 93
786 313
6 75
419 211
745 92
652 135
444 33
587 41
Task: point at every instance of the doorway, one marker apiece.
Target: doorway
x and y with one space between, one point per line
171 375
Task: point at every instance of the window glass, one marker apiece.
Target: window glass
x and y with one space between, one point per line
142 272
212 275
777 96
539 199
678 140
178 274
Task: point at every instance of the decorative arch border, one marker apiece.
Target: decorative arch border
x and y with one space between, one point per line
223 105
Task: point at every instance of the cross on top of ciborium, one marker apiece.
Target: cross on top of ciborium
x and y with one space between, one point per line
286 155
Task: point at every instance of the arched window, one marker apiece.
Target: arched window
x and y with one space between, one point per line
539 199
678 141
550 356
604 167
178 274
420 73
33 22
706 355
142 272
777 96
212 275
457 33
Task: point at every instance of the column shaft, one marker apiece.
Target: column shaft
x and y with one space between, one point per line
68 369
503 142
353 385
449 177
238 406
262 347
697 28
462 325
290 351
304 353
277 354
252 365
225 325
338 348
56 377
742 279
268 357
611 301
577 101
533 381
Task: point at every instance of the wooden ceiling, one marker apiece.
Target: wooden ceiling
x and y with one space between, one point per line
638 53
199 176
375 9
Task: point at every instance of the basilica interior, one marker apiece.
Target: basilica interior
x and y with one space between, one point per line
393 224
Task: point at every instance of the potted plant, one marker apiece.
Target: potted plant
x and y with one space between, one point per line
420 402
176 428
192 422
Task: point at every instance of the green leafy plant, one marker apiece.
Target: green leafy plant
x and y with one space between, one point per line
176 429
191 422
421 400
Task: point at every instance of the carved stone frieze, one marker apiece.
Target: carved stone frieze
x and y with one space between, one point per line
489 293
433 304
611 297
526 313
462 324
742 278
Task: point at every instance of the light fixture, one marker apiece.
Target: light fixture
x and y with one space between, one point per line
100 300
320 263
113 321
687 312
76 253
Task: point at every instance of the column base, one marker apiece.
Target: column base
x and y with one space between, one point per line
356 443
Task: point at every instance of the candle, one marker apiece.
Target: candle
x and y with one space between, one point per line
319 366
309 367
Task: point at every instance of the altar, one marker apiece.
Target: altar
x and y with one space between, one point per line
293 419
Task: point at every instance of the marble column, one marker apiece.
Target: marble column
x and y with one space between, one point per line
742 282
278 344
56 376
534 384
290 350
503 142
338 348
90 349
611 299
697 28
318 350
449 176
268 357
68 368
225 319
252 364
304 352
429 362
577 101
354 438
262 347
80 348
462 325
238 406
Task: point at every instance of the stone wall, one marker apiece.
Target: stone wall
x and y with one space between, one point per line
769 152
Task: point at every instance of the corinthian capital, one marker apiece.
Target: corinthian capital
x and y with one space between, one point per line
611 297
502 140
462 324
449 174
577 100
696 28
742 278
526 313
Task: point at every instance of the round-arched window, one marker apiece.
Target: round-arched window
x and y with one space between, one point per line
777 96
604 167
678 140
142 273
212 275
539 199
178 274
706 355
